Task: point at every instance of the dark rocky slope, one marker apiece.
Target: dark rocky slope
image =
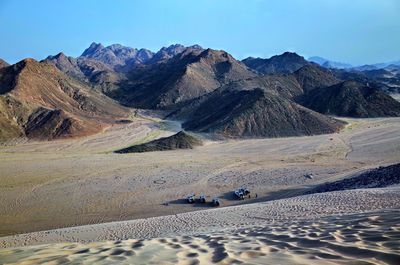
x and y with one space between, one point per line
181 140
311 77
47 124
352 99
188 75
375 178
254 113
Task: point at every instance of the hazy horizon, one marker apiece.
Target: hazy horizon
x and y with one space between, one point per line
360 32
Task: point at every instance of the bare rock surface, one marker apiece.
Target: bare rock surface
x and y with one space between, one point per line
374 178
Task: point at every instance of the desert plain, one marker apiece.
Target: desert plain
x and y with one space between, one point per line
81 183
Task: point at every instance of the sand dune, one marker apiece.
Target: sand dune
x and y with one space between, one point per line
371 237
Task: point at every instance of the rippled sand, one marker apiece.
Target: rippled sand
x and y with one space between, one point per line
368 238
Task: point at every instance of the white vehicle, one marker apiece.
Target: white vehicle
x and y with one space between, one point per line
242 192
190 198
239 194
216 202
246 191
202 198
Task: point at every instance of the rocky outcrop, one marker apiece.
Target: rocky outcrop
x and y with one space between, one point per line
181 140
374 178
46 124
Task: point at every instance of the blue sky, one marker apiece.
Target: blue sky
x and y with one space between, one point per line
354 31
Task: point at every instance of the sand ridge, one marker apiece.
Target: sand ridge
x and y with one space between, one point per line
277 211
368 238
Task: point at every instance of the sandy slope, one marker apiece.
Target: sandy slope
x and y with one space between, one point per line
66 183
295 230
368 238
277 211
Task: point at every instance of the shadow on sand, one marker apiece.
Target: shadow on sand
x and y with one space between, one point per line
207 204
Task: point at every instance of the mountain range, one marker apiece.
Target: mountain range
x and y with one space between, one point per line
328 63
339 65
285 63
208 90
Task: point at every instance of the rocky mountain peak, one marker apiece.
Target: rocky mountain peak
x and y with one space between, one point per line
196 46
117 56
59 56
173 48
285 63
92 49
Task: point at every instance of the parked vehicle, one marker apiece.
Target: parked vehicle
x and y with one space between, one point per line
190 198
216 202
246 191
241 193
202 198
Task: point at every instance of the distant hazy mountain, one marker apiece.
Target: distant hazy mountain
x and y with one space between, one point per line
317 60
81 67
338 65
368 67
393 67
123 58
287 62
166 53
117 55
365 67
385 65
328 63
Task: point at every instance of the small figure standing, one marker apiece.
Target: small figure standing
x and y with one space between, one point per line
256 195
